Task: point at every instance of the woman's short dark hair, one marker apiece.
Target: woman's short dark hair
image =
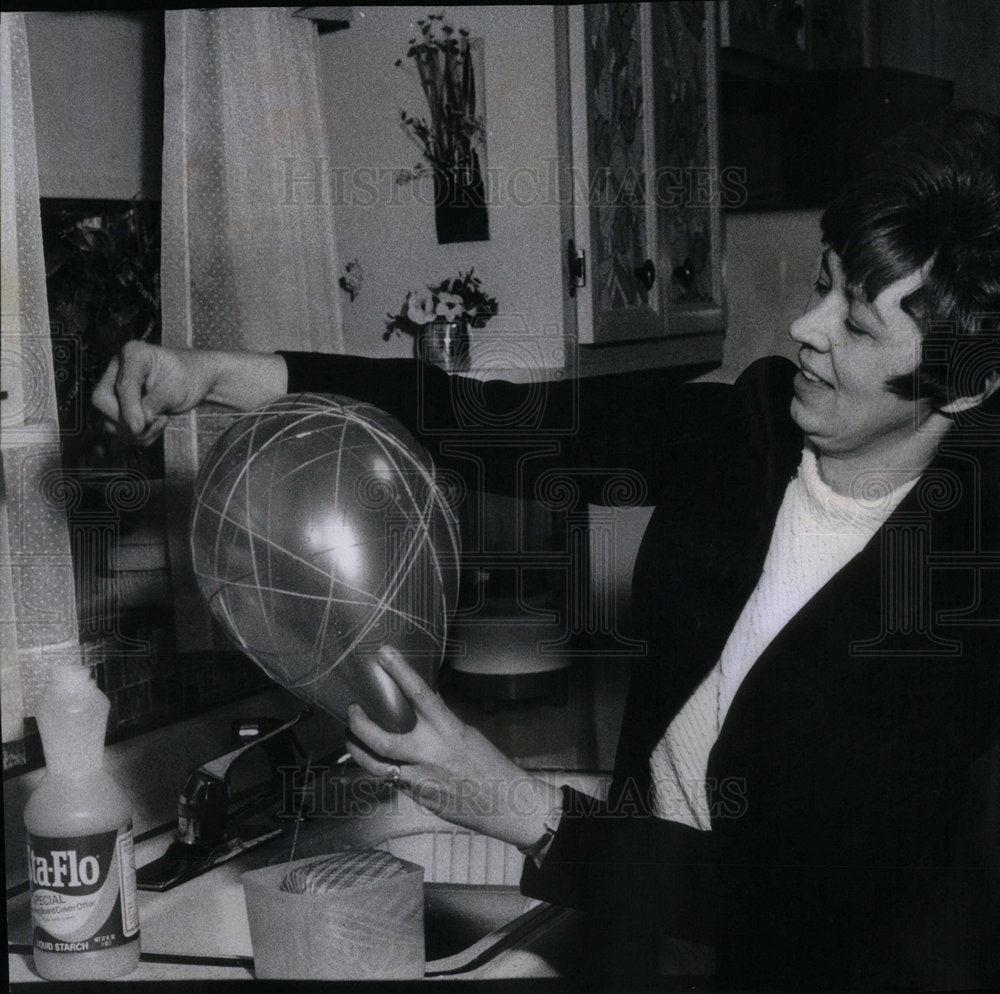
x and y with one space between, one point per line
932 193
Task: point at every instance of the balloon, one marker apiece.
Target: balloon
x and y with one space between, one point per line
319 534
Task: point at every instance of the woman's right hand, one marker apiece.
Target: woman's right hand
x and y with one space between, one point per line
450 768
145 384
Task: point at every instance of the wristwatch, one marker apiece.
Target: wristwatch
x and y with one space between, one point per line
551 826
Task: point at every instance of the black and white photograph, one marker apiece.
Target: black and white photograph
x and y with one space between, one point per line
505 495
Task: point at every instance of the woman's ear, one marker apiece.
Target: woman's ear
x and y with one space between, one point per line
974 400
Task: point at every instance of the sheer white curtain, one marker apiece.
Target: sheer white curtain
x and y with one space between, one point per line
249 254
37 606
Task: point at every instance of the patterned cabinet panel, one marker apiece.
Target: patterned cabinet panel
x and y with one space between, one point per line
690 185
644 147
617 152
613 149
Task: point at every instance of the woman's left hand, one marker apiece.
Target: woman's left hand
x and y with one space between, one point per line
449 768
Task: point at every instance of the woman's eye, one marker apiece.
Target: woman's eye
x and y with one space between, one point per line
821 287
853 328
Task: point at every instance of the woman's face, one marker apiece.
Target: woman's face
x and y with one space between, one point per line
849 348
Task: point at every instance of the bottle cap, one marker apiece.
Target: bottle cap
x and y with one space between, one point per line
72 720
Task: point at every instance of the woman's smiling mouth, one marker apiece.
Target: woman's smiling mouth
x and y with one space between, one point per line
810 377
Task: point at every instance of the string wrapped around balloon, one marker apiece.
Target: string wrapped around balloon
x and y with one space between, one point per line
320 534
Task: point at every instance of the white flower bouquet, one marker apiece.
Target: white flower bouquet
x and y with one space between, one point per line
458 299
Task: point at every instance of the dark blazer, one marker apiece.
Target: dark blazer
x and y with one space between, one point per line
846 769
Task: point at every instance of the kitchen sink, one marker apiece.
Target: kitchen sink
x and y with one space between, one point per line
470 886
473 907
457 916
470 881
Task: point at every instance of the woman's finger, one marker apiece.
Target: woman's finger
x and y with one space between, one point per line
378 766
366 758
373 736
103 397
154 430
425 701
132 374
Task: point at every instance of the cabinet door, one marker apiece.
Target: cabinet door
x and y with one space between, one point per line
614 217
690 186
644 148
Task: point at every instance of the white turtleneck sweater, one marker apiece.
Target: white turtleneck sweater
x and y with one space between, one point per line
817 532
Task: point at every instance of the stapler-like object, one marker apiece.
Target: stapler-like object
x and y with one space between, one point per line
214 823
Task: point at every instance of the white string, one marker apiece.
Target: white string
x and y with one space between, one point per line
298 820
294 422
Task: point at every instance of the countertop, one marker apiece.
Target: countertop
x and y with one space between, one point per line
199 930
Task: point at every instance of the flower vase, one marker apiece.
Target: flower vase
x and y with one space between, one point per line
444 344
460 213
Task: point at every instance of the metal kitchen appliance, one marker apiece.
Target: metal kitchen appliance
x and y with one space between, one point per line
218 814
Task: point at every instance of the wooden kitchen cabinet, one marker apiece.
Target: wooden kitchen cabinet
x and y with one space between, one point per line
799 34
639 130
956 40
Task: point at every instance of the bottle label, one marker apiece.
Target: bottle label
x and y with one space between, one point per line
83 893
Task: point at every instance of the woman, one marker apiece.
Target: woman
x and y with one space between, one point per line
816 588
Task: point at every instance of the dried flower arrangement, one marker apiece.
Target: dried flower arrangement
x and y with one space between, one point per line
443 59
452 139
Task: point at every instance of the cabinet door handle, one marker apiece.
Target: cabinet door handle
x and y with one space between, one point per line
646 274
577 260
685 274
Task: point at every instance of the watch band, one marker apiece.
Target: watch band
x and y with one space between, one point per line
551 826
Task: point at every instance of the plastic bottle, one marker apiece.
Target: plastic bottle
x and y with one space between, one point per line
84 907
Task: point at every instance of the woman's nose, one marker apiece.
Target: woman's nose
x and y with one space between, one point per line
817 327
